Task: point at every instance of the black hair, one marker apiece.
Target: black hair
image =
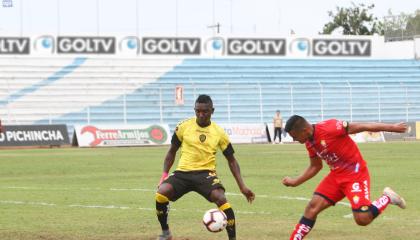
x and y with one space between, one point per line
203 98
295 122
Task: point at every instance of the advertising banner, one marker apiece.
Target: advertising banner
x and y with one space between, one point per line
285 137
341 47
183 46
34 135
246 133
86 45
319 46
417 130
15 45
364 137
251 46
124 135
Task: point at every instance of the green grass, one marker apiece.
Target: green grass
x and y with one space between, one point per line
108 194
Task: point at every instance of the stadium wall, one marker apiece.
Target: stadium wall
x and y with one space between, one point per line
129 80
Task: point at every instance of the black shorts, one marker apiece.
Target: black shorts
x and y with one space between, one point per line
202 182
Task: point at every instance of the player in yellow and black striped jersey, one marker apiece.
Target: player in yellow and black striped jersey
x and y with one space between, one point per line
199 139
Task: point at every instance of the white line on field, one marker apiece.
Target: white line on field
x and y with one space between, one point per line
98 206
28 203
154 190
115 207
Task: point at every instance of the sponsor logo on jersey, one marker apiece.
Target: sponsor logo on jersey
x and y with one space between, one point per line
356 187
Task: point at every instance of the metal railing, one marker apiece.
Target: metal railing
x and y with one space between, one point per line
234 102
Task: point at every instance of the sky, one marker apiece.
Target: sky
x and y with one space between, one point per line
178 17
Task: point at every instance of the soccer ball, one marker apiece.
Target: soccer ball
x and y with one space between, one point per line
215 220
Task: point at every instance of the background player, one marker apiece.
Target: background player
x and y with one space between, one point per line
199 138
349 176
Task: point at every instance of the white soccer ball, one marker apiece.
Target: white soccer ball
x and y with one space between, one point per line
215 220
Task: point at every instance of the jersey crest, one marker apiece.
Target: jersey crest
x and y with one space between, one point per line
202 137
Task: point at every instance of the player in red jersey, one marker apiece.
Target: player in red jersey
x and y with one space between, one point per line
349 176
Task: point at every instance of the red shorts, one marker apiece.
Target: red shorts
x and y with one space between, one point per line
354 186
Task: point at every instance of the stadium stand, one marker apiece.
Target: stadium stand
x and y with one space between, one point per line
137 91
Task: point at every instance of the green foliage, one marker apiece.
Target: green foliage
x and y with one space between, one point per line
413 24
402 27
108 194
354 20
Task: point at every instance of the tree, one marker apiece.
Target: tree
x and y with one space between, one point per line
354 20
401 27
413 24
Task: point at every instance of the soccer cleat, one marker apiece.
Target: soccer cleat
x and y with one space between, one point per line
166 235
394 197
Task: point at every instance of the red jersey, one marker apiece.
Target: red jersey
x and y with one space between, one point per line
331 142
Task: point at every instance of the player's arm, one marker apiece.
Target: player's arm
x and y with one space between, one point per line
236 172
170 157
314 167
356 127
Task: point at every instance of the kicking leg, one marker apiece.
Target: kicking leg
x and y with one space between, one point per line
365 215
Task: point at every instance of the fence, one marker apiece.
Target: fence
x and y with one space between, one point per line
245 103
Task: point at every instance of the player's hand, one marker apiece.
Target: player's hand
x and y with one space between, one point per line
163 178
400 127
289 182
250 196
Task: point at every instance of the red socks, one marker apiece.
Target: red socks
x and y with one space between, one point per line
380 203
302 228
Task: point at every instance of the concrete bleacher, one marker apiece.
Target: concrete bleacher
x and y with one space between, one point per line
142 91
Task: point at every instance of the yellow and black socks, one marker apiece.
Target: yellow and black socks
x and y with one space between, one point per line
230 228
162 209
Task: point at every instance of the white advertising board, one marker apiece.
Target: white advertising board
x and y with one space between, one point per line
122 135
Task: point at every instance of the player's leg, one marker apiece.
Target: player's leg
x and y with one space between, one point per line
317 204
208 185
367 213
326 194
358 193
165 193
162 209
218 197
277 134
280 135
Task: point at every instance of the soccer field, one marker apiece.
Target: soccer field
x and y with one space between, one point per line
108 194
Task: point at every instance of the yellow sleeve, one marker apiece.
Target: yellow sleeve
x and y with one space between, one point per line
180 129
224 140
